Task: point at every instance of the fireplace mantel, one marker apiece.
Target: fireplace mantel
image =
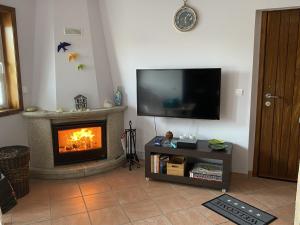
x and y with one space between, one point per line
76 114
40 125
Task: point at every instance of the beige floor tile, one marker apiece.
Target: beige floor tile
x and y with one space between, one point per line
244 184
285 213
141 210
47 222
100 201
228 223
199 199
27 214
35 197
64 190
158 189
211 215
192 194
103 194
281 222
6 219
277 183
120 184
78 219
121 179
171 203
276 197
67 207
158 220
188 217
94 187
108 216
130 195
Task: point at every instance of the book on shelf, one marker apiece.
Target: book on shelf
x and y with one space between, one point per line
152 163
207 171
159 163
156 163
163 160
205 177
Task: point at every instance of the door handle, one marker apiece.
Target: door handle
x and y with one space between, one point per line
269 95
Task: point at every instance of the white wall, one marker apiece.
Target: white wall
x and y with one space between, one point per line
104 79
140 34
57 81
69 81
44 79
13 128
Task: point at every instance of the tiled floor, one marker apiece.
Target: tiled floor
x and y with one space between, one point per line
123 197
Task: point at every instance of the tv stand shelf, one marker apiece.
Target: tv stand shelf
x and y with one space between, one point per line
201 152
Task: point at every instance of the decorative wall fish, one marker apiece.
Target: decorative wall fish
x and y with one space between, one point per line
63 45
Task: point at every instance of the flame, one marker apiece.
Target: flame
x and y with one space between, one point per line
81 140
82 134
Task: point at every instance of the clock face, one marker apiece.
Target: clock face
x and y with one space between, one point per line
185 19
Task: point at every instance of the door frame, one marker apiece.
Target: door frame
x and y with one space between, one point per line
259 107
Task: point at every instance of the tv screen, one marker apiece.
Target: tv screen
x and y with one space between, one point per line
180 93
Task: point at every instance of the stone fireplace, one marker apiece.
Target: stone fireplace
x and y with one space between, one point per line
79 142
75 144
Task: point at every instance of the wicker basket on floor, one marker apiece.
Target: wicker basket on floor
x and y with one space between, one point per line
14 163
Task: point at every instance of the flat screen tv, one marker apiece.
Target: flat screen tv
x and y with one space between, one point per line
180 93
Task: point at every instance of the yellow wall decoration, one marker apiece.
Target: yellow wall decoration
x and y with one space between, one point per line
72 56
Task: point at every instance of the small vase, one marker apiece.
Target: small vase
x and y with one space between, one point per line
118 97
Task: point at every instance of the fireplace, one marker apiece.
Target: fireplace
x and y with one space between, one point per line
79 142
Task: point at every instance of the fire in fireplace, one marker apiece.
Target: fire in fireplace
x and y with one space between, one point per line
78 142
80 139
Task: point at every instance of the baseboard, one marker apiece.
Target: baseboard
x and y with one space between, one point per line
250 173
141 155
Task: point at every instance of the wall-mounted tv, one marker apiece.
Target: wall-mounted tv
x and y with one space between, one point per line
180 93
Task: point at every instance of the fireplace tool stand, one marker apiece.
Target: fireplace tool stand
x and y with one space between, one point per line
131 156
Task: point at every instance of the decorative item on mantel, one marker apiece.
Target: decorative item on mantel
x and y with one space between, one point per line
63 45
80 103
59 110
107 104
118 96
31 109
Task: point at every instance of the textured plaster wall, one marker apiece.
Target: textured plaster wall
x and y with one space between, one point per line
140 34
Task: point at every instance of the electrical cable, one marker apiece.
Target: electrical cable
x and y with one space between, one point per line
155 126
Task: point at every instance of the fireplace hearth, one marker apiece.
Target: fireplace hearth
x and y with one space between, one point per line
80 142
75 142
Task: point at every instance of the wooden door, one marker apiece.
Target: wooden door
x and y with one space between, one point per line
277 146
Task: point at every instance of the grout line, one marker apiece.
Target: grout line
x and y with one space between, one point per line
77 182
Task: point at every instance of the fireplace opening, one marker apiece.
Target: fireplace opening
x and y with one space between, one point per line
79 141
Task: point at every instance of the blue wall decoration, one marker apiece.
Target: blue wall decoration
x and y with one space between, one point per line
63 45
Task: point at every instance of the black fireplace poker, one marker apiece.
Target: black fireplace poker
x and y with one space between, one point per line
131 156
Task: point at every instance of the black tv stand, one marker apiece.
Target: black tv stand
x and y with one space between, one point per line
201 152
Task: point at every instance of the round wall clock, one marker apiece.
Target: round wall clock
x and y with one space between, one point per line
185 18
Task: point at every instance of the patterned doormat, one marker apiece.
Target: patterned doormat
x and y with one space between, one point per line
238 211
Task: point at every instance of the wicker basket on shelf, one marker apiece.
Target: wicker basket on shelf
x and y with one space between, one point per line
14 163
